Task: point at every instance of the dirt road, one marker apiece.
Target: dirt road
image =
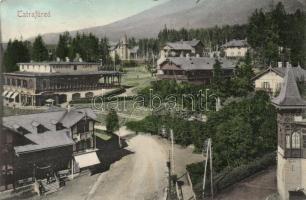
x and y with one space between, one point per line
141 175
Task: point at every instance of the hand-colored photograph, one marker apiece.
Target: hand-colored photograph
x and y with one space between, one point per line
153 100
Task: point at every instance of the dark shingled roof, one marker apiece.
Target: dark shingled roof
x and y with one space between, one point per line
289 96
199 63
50 138
183 45
236 43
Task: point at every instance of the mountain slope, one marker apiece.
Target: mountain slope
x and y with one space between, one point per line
183 13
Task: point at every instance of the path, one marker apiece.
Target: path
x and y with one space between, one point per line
141 175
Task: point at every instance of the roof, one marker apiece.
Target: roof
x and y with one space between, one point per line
35 74
199 63
235 43
289 96
299 72
50 138
47 140
59 63
134 49
183 45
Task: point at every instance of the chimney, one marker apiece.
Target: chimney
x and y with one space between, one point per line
187 55
279 64
58 59
288 64
80 59
197 55
67 59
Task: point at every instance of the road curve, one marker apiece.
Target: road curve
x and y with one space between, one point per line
138 176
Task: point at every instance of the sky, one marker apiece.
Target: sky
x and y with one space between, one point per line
64 15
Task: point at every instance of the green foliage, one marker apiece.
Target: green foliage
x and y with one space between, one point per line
217 80
112 121
17 51
242 82
39 51
62 48
277 35
210 37
229 176
242 130
88 47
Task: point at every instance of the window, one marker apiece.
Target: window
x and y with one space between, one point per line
266 85
304 141
75 67
288 146
91 126
296 142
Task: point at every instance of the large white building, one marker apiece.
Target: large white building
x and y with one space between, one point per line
121 48
235 48
39 83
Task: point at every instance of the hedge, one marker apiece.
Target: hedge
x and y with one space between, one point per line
229 176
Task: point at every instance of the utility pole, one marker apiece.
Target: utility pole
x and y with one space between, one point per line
172 150
207 146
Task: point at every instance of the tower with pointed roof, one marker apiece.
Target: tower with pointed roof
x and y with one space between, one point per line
291 151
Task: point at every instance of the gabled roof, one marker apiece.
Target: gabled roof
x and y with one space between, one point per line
199 63
50 138
235 43
47 140
183 45
289 96
299 72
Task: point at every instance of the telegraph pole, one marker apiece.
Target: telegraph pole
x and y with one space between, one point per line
172 150
207 146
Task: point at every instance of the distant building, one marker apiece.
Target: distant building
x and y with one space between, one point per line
182 48
37 83
235 48
123 50
291 149
272 78
50 142
196 70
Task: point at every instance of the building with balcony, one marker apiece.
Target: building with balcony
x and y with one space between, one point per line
235 48
54 141
182 48
196 70
35 84
291 151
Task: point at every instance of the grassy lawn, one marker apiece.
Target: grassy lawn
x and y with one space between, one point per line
102 134
138 77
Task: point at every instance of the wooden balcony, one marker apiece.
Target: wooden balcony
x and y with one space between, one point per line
293 153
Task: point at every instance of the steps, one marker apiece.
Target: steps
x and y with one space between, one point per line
50 187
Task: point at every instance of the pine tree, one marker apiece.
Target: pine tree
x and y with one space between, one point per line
112 121
62 48
39 51
217 82
17 51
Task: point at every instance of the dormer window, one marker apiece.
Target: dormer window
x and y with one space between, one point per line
39 127
59 126
20 129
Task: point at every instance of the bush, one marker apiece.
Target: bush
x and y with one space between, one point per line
228 176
